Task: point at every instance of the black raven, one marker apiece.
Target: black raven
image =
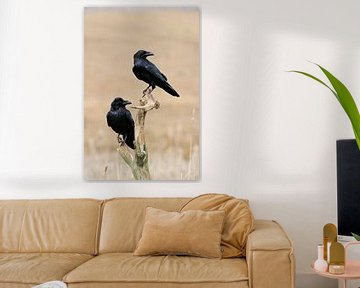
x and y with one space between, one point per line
121 121
146 71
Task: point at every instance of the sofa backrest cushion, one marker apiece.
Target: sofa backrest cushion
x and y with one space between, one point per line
123 220
66 226
238 224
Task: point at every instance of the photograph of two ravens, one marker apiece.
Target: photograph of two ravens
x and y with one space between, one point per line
119 118
135 60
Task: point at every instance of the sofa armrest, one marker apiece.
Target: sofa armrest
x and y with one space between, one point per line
269 256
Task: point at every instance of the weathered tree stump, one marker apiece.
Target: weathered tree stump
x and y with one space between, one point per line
138 160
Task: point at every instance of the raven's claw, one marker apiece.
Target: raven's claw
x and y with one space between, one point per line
120 140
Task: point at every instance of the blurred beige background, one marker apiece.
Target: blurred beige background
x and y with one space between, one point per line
111 37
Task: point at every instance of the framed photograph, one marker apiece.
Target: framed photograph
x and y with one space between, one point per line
142 93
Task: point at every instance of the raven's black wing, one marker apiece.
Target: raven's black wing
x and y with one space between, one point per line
148 72
159 79
164 76
120 120
129 118
122 123
155 72
130 133
109 118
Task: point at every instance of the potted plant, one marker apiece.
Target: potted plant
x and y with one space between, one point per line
347 102
357 237
344 97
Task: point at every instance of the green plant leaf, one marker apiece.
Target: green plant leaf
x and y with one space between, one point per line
316 79
347 102
356 236
344 97
357 137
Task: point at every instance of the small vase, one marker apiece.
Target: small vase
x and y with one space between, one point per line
320 264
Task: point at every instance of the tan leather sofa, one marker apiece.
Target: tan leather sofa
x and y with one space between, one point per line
89 243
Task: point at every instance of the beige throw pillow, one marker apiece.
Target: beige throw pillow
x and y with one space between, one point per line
193 232
238 223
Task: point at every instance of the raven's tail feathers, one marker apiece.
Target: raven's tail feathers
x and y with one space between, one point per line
168 88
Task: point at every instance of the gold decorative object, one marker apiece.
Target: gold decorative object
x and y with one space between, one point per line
337 253
330 236
336 269
337 258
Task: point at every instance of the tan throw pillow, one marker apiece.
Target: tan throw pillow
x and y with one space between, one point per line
196 233
239 220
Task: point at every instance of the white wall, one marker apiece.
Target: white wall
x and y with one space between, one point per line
267 135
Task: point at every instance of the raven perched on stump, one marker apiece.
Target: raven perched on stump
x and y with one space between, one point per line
121 121
146 71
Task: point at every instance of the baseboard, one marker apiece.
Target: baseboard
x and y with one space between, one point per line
310 280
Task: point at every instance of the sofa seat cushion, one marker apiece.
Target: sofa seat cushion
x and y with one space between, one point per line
125 267
36 268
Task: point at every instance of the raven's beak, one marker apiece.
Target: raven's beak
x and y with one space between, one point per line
149 54
126 102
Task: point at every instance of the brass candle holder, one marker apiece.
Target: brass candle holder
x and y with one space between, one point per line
334 252
329 236
337 258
